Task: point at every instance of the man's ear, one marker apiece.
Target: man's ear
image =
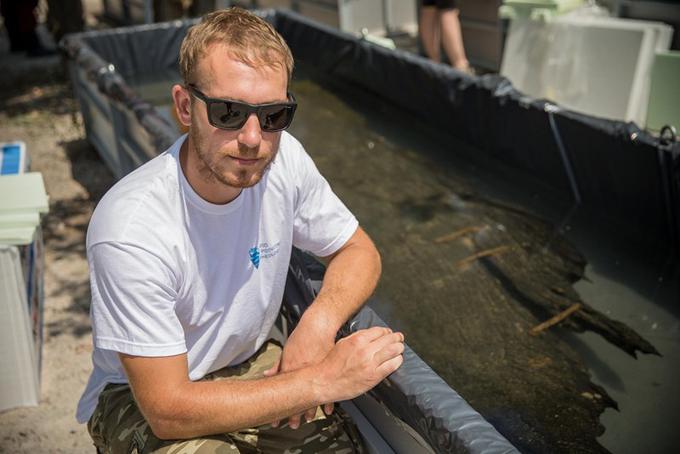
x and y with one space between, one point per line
182 110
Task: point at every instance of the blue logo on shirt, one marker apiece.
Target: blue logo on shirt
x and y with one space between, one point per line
263 251
254 254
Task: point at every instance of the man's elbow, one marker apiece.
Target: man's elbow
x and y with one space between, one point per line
164 421
163 431
165 428
367 244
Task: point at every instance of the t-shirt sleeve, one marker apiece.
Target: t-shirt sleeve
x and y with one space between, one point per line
322 224
133 299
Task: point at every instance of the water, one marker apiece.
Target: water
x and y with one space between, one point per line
410 184
635 292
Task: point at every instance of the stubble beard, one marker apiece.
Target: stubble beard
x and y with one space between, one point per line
210 170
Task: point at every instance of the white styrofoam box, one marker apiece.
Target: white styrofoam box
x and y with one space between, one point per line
19 375
402 15
595 65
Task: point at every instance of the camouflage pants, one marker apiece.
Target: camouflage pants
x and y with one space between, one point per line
118 427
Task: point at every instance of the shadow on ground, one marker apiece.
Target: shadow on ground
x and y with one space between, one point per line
27 85
65 230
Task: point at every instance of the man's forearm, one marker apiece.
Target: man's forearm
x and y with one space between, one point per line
208 407
351 277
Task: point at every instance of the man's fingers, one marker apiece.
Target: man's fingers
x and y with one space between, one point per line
309 414
276 423
388 339
328 408
274 369
388 352
371 334
294 421
390 366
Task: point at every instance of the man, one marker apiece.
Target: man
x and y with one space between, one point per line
188 258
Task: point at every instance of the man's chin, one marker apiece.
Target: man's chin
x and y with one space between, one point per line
242 182
241 178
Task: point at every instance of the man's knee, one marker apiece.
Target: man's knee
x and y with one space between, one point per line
118 427
335 434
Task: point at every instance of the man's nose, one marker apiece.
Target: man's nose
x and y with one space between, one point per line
250 134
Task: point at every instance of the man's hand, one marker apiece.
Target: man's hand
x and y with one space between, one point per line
308 344
354 365
360 361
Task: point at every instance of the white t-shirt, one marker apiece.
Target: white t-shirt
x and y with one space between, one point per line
172 273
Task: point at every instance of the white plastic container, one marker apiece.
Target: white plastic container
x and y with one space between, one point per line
21 278
595 65
19 346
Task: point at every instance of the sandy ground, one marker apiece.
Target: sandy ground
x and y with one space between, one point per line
37 106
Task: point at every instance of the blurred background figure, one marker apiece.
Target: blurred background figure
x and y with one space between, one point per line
35 26
20 23
439 26
64 17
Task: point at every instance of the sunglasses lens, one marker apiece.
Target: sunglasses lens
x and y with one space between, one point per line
275 118
228 115
232 115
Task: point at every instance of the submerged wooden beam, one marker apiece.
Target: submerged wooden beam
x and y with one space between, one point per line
538 329
485 253
458 233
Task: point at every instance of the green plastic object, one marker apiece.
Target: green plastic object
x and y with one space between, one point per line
536 10
664 95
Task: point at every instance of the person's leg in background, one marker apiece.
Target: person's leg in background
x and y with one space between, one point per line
452 38
429 30
439 25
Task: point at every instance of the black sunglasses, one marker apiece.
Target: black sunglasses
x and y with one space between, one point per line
232 115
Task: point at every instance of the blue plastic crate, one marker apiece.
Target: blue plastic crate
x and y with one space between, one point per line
13 158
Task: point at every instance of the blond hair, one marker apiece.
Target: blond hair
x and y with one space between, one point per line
250 39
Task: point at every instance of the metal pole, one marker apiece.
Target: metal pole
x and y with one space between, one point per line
148 11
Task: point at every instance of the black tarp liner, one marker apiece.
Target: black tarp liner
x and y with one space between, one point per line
415 393
620 172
